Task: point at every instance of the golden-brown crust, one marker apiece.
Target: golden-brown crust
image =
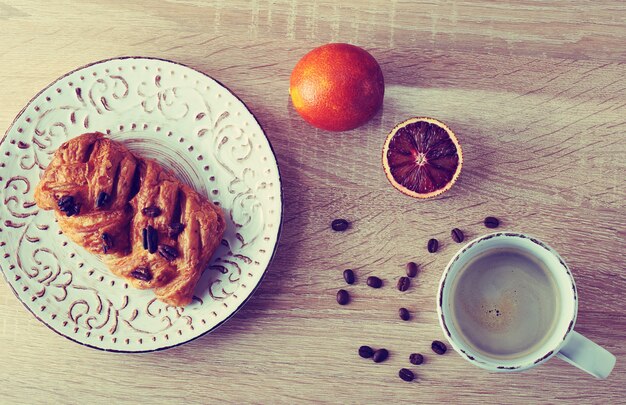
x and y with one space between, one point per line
110 188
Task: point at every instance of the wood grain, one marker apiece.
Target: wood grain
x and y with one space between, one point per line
534 90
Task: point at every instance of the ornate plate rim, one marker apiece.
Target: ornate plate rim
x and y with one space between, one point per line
278 232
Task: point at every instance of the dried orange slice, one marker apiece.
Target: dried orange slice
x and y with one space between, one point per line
422 157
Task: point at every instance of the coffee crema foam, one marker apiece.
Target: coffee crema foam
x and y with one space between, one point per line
505 303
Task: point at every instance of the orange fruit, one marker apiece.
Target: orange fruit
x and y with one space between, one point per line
422 157
337 87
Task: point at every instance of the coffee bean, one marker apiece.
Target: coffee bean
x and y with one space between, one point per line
433 245
366 352
168 252
374 282
438 347
102 200
343 297
151 211
406 374
348 275
141 273
457 235
340 225
380 355
411 269
107 242
404 283
404 314
416 358
492 222
175 229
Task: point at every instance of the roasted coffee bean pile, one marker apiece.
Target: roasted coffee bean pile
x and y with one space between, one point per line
416 359
403 284
381 354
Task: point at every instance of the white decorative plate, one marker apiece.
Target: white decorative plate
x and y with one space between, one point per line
189 123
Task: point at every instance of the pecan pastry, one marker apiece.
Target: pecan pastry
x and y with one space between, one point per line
145 225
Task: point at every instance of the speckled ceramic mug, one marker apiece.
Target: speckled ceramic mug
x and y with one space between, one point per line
564 342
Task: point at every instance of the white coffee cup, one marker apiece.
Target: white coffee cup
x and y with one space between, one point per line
564 343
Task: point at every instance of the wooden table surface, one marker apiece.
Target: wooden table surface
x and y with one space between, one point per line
537 95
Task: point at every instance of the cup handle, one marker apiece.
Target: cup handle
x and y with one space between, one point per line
587 355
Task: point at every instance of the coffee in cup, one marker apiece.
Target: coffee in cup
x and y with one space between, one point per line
505 303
